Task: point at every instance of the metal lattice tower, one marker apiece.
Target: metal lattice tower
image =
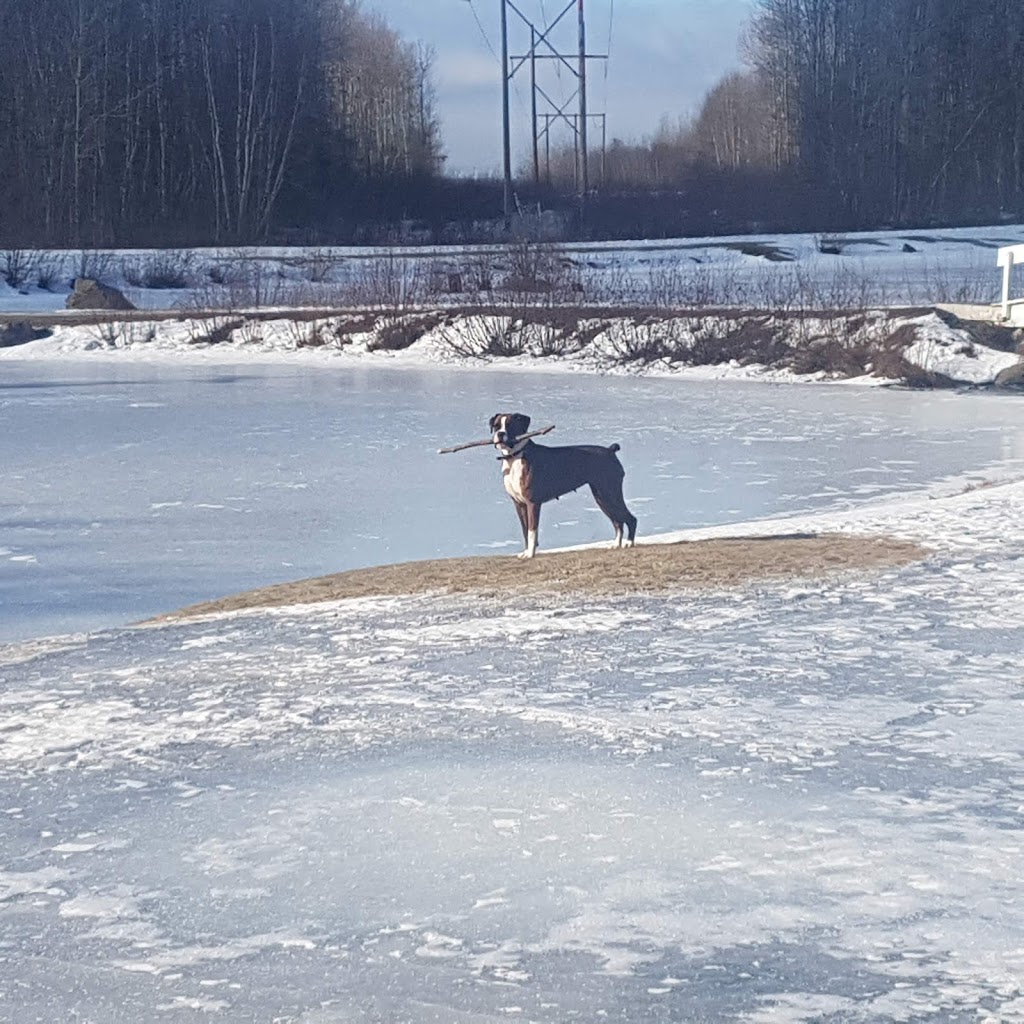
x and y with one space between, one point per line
545 112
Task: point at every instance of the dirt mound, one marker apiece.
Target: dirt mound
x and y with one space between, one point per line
649 568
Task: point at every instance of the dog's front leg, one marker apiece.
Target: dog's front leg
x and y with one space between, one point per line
523 520
532 525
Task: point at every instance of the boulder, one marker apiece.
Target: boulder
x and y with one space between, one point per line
1011 377
91 294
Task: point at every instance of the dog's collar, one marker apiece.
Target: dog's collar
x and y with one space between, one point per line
517 449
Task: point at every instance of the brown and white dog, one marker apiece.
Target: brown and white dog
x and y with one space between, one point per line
535 473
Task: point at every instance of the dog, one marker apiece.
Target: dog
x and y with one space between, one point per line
535 473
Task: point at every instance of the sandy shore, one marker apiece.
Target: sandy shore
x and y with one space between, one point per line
648 568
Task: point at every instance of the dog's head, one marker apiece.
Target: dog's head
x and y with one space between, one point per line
507 428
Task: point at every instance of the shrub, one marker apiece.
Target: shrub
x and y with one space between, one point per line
18 266
393 334
162 270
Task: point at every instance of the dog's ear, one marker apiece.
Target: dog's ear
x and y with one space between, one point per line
519 424
495 422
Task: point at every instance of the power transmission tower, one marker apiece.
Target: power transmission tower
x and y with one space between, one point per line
542 48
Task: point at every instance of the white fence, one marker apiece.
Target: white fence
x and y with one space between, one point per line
1009 256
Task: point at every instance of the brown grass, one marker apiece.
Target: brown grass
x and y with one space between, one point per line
650 568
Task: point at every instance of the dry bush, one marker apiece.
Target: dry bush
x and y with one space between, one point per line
94 265
552 331
18 266
228 269
693 285
616 285
889 361
642 342
318 264
477 337
998 336
539 274
212 330
975 284
783 289
663 286
109 333
745 341
392 334
304 333
478 273
48 272
167 269
251 285
123 333
549 340
389 282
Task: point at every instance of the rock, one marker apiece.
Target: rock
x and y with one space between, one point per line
1011 377
91 294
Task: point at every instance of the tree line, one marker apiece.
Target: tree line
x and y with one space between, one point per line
173 122
205 121
849 113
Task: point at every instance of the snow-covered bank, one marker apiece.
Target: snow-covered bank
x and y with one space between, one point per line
795 803
921 348
884 268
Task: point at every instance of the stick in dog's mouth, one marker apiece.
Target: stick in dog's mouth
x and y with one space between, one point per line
490 441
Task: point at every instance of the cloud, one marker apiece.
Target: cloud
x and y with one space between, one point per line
466 69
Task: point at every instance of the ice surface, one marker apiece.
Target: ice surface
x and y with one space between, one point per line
798 803
132 489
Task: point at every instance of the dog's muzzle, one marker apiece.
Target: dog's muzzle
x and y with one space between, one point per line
508 447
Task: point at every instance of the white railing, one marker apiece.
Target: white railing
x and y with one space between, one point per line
1008 256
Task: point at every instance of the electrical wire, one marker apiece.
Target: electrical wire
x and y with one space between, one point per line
483 31
516 94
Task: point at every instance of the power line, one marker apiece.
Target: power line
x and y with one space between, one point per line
483 31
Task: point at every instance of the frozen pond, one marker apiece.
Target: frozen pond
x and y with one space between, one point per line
791 804
796 803
133 489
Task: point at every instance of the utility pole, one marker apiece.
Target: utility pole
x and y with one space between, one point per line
506 130
533 104
584 166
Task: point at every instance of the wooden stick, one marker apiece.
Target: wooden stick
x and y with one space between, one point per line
480 444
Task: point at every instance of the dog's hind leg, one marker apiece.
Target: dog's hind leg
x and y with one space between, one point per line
614 507
608 508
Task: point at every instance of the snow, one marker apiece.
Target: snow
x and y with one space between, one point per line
947 265
794 802
799 802
874 271
938 347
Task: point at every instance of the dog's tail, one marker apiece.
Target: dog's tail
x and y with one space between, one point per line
614 448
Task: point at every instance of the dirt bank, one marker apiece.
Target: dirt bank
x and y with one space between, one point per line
593 572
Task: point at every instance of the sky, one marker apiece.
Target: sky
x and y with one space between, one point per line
664 56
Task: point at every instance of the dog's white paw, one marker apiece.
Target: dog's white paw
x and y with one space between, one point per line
525 554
